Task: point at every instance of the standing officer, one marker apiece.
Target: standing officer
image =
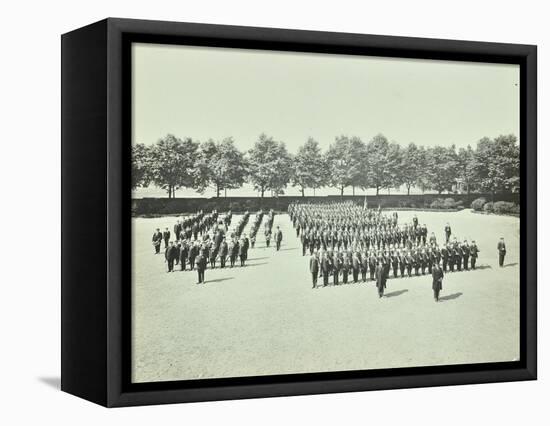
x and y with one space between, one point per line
184 253
177 229
201 266
364 266
394 263
278 238
380 279
445 256
305 243
473 254
193 253
157 240
465 255
166 237
224 249
171 254
337 267
501 247
447 232
437 285
325 268
356 266
314 268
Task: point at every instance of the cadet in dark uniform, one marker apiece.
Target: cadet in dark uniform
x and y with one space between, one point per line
356 266
501 247
171 254
345 269
364 266
234 253
337 267
314 269
473 254
278 238
380 279
157 240
445 257
177 229
184 253
305 243
437 284
201 266
465 255
242 251
394 263
372 266
193 253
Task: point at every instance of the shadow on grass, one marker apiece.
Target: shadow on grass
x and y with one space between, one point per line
259 258
219 280
288 248
396 293
254 264
450 297
510 264
482 267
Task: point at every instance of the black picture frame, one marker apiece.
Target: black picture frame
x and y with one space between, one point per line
96 287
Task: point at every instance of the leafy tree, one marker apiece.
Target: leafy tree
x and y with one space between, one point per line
345 163
466 167
309 166
379 172
269 165
141 165
220 165
394 160
411 163
173 162
497 163
441 168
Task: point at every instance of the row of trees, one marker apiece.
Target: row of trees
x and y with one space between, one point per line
172 163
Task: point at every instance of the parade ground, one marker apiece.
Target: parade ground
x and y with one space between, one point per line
266 319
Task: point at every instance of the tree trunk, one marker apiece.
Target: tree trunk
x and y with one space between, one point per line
217 191
303 193
169 191
377 190
342 191
225 192
353 190
314 192
262 192
408 190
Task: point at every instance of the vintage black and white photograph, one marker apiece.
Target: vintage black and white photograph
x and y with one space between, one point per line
302 212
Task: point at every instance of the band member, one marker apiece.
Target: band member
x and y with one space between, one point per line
171 254
465 255
380 279
193 253
305 243
445 257
234 252
278 238
501 247
473 254
337 267
213 256
409 261
372 265
201 266
242 251
394 263
314 268
437 284
356 266
402 263
267 234
346 266
364 266
157 240
177 229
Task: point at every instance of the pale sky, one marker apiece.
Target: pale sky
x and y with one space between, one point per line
205 92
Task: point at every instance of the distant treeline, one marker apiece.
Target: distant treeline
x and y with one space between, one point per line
172 163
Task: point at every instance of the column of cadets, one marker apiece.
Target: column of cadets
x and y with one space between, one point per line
346 240
203 239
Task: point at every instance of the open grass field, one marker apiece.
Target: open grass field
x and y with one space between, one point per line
265 318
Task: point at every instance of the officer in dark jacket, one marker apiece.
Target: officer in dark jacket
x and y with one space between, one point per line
314 268
447 232
201 266
372 265
325 268
364 266
465 255
171 255
445 257
223 252
501 247
234 252
337 267
193 253
380 279
437 284
305 243
166 237
356 266
184 253
278 238
157 240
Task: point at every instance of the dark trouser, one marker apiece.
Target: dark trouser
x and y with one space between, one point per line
345 277
191 263
459 264
451 266
335 276
417 270
314 278
423 268
380 291
355 275
325 278
201 275
304 247
243 258
501 259
311 247
430 268
409 270
166 243
213 263
465 262
278 245
170 265
395 271
364 275
297 232
157 249
436 294
232 260
473 262
402 271
371 270
444 265
267 243
222 261
182 264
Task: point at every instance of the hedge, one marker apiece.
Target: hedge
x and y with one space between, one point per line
478 204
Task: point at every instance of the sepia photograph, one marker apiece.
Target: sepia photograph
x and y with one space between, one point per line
298 212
